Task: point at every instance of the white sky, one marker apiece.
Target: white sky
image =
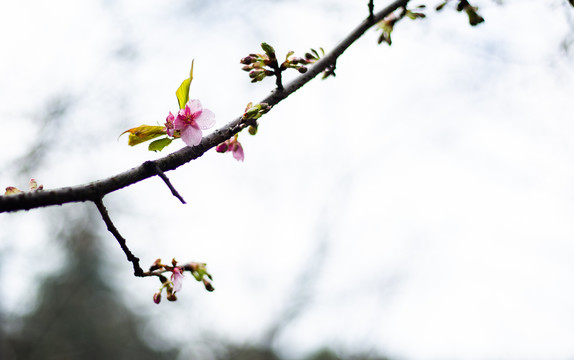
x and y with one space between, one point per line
437 174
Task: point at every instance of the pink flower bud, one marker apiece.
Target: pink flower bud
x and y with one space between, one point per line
169 126
208 285
247 60
157 297
221 148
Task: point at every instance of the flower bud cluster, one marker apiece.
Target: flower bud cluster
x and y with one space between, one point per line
254 112
260 66
298 63
175 281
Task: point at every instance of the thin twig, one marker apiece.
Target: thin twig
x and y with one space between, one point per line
97 189
138 271
155 168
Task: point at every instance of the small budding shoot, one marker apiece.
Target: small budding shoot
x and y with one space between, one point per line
33 186
254 112
474 17
250 116
387 25
471 11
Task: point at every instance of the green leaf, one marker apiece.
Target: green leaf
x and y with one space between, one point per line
143 133
267 48
316 53
182 92
158 145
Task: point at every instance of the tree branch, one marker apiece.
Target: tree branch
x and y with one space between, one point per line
95 191
153 166
138 271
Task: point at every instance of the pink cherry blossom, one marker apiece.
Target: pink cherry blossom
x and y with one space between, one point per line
191 120
177 279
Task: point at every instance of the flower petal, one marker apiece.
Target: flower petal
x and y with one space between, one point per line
194 106
177 279
179 123
206 119
184 113
191 136
238 152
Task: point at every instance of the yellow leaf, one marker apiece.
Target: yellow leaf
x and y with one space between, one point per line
143 133
11 190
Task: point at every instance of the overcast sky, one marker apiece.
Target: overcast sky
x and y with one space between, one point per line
424 196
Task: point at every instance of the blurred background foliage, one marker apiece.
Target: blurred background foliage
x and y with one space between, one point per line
78 314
